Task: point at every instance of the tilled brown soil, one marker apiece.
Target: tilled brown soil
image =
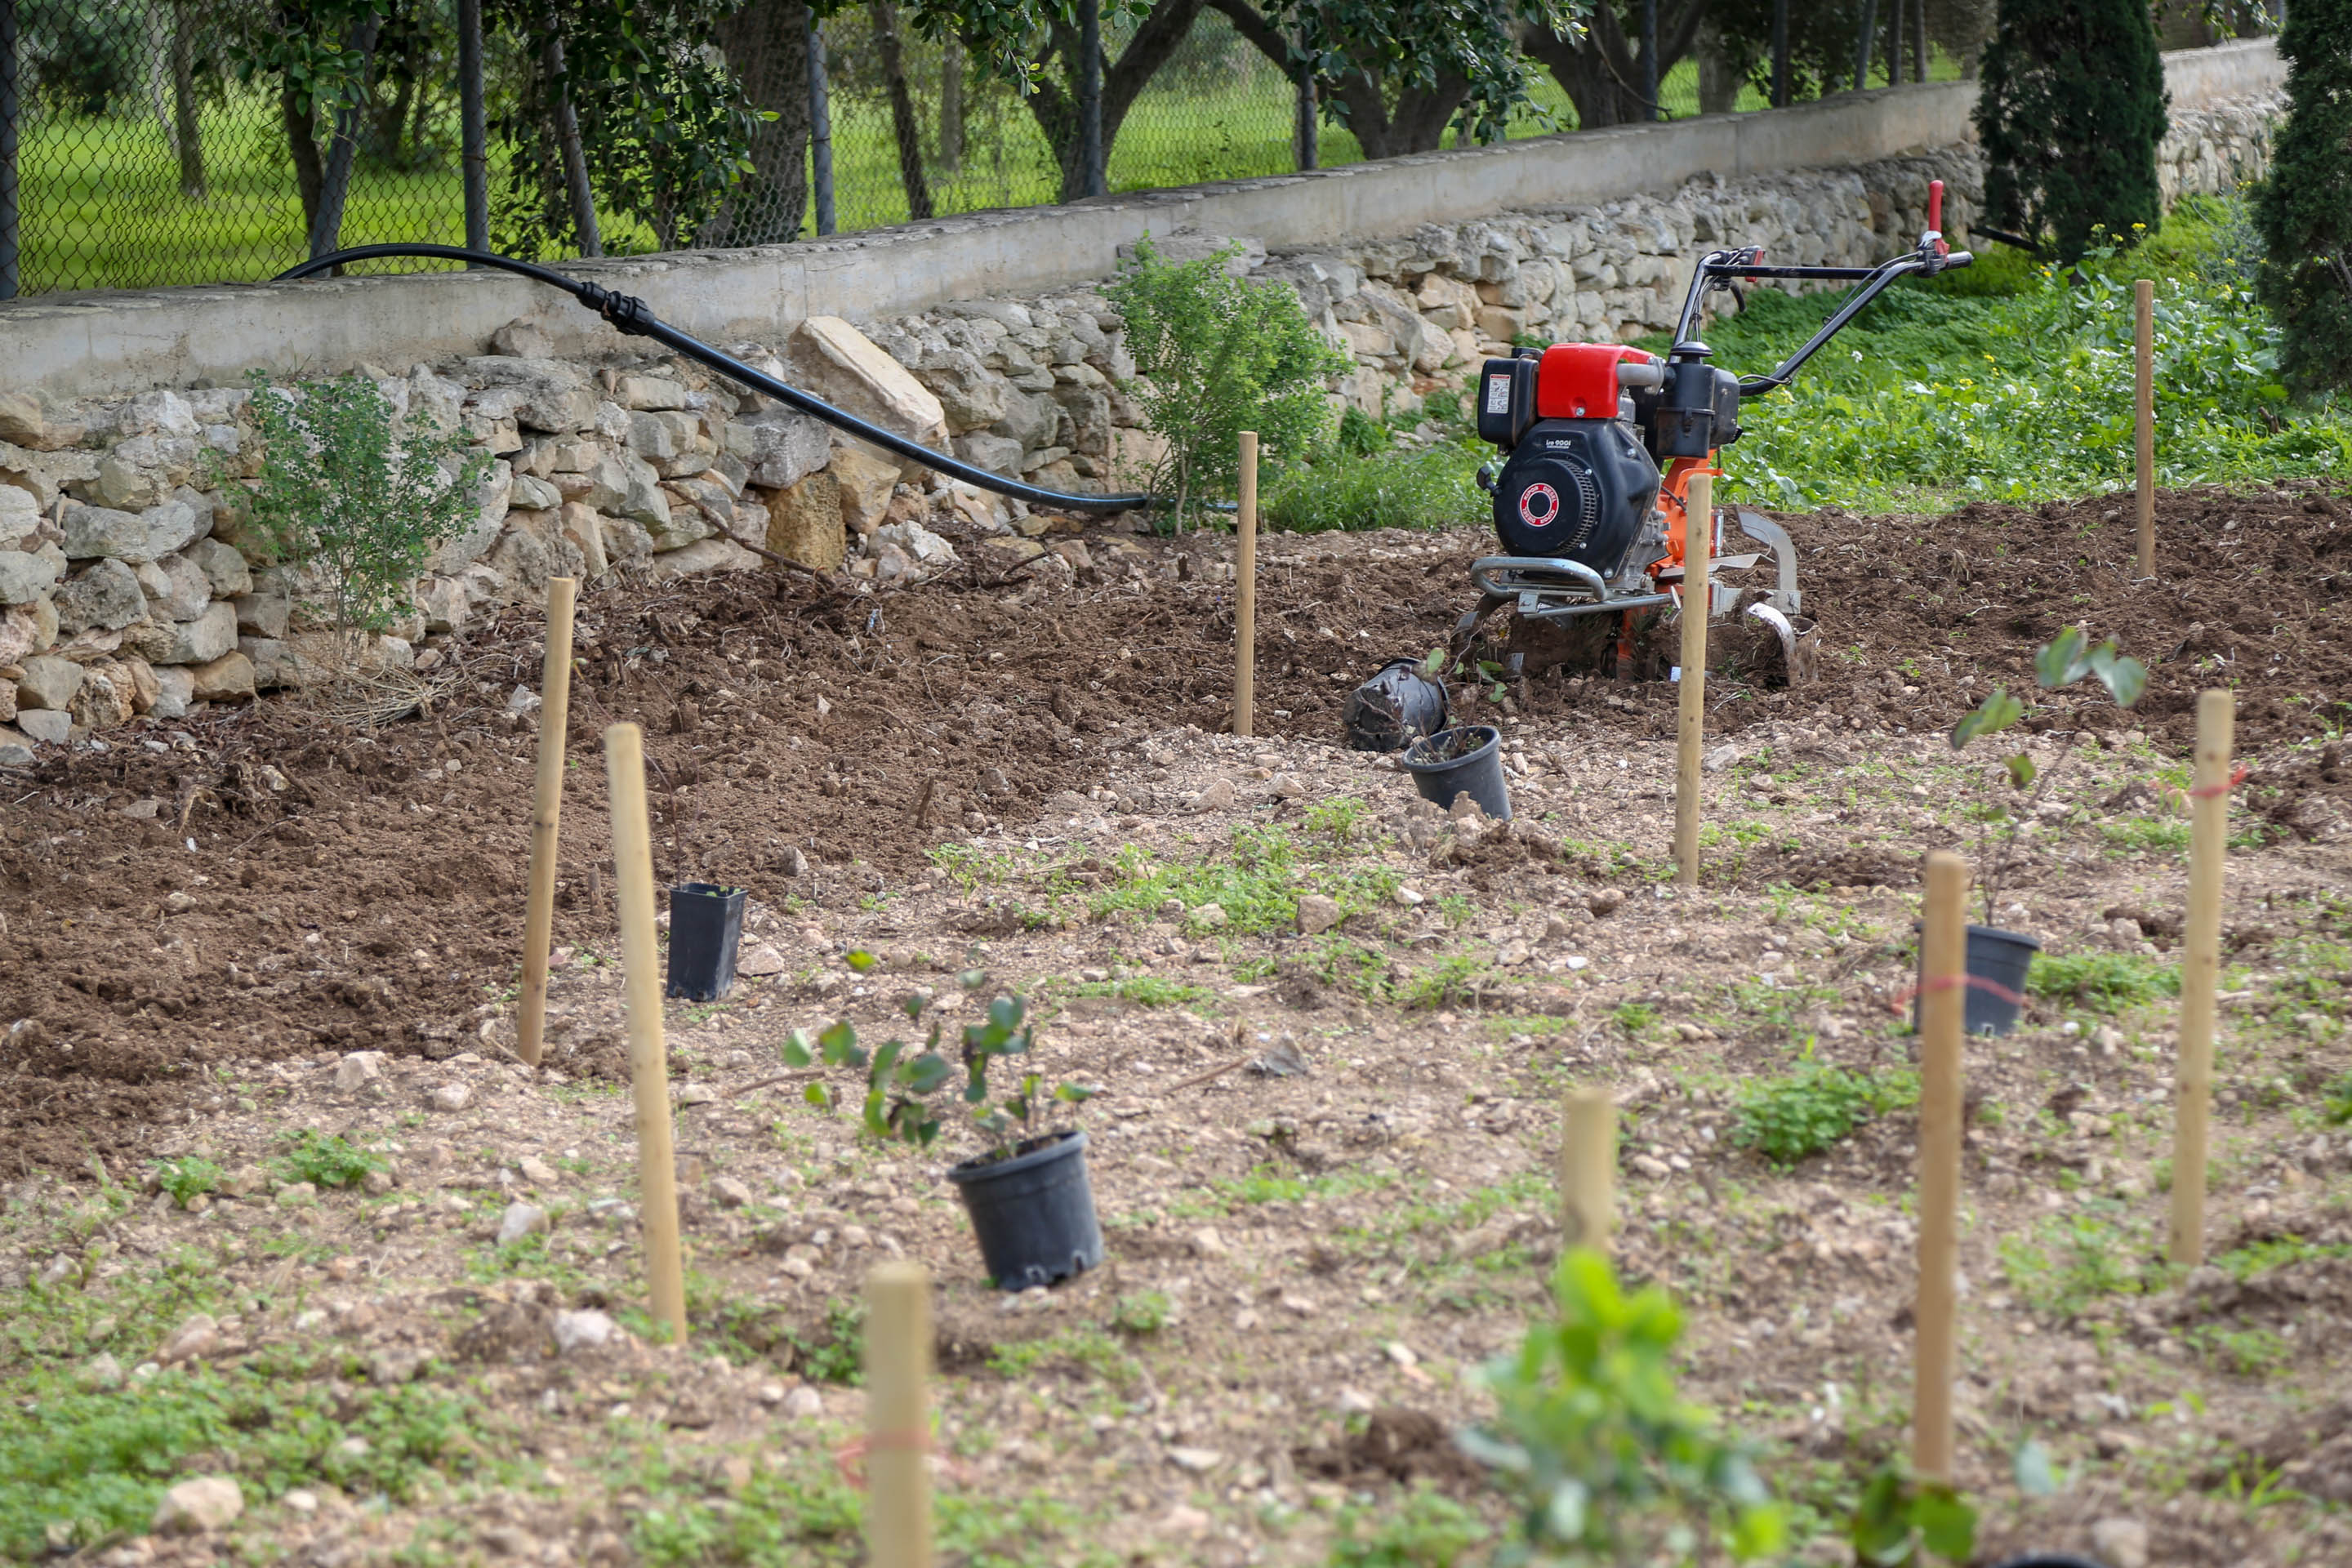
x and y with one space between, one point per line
261 884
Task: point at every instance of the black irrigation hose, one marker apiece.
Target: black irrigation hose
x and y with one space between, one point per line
631 314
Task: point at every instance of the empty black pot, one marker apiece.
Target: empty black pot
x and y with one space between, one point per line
706 923
1394 708
1035 1214
1479 774
1997 962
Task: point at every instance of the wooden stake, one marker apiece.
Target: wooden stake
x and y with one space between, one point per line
538 918
2209 837
1588 1168
1698 544
1943 1001
2143 293
1245 593
633 864
897 1417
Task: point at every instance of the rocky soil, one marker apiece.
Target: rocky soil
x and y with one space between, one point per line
1330 1027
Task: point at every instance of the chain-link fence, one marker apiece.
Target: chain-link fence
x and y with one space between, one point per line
173 141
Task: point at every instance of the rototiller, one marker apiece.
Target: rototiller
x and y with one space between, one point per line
1590 527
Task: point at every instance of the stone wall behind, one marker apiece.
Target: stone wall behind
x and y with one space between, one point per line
131 585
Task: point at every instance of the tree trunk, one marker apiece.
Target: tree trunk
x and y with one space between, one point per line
766 45
1718 84
327 224
187 133
1601 72
910 131
309 175
1054 103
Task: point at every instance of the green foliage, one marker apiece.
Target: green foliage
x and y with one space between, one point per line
2337 1104
98 1462
1370 54
1425 1529
2305 277
1360 435
1257 884
899 1086
359 504
187 1177
1605 1460
1933 396
1899 1518
2069 1261
2070 113
2063 660
1140 1313
665 127
1339 493
838 1353
1218 355
1148 991
2104 981
1811 1108
326 1158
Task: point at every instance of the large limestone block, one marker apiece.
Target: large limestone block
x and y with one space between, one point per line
228 678
844 367
198 641
557 397
95 530
24 576
20 511
713 554
778 447
866 481
804 523
225 569
105 696
48 682
26 629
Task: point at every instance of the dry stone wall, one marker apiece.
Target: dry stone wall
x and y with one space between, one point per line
132 581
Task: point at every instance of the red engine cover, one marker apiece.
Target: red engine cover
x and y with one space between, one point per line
1578 381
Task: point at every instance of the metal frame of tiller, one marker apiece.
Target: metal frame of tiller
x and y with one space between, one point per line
1547 588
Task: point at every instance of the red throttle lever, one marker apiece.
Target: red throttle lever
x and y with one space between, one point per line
1932 245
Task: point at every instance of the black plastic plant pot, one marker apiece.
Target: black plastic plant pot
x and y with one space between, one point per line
1393 709
705 924
1034 1213
1466 760
1997 962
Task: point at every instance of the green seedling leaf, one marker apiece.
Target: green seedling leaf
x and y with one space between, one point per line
1996 712
925 1073
973 979
1434 665
2022 771
796 1052
861 961
840 1046
1947 1525
2031 1464
816 1094
1073 1094
912 1006
2062 661
2123 677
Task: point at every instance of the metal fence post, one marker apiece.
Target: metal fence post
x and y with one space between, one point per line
8 230
1650 61
820 127
473 132
1309 132
1093 176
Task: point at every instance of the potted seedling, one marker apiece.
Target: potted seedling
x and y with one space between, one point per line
2011 798
1031 1206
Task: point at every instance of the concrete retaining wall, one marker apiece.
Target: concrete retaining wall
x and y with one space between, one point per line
111 344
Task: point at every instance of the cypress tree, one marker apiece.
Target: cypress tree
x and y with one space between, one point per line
2301 208
2070 113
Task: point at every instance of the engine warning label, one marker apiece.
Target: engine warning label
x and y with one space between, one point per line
1498 395
1539 504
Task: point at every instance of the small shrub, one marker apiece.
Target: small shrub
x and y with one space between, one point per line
838 1353
187 1178
1811 1109
326 1160
1140 1313
2104 981
1603 1458
1218 355
360 503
